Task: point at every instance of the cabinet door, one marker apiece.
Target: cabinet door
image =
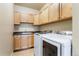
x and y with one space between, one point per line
17 18
23 17
31 41
36 19
66 10
17 42
24 41
30 18
26 18
44 16
53 12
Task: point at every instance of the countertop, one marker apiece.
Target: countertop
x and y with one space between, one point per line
24 32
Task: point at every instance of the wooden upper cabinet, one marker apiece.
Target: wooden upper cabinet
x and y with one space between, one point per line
17 18
30 18
53 12
36 19
44 16
66 10
23 17
27 18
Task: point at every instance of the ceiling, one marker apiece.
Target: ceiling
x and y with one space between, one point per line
36 6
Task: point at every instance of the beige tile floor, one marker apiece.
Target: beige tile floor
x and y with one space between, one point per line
29 52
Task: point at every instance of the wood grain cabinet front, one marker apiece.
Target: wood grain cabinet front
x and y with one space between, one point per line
17 42
27 41
31 41
53 13
36 19
27 18
66 10
17 18
44 16
24 41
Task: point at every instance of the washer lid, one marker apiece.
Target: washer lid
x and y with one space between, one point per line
57 37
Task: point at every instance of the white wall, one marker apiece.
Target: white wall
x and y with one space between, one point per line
59 26
75 40
6 28
26 27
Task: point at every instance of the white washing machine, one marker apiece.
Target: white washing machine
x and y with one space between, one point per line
52 44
